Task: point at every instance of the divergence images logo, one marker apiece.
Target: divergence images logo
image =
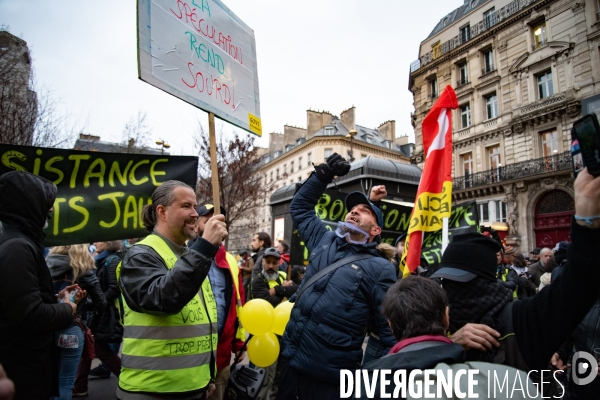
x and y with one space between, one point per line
585 368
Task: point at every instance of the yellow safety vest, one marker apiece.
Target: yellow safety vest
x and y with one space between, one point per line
235 271
504 275
169 354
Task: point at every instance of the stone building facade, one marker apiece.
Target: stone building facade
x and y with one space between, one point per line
290 156
520 70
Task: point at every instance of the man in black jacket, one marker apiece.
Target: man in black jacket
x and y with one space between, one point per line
271 284
476 297
29 312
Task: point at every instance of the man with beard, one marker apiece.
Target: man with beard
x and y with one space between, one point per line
327 326
227 288
169 302
271 285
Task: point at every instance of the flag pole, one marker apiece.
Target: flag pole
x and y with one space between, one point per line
444 234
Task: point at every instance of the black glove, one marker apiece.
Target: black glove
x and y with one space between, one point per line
335 165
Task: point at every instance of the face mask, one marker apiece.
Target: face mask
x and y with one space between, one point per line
345 230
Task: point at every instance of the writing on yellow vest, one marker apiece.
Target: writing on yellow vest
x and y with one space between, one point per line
169 354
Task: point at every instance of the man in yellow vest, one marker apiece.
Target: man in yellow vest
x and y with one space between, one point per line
170 317
226 283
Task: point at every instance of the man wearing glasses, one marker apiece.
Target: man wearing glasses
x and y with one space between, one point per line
331 313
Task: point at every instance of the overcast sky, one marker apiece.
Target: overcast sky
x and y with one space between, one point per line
320 55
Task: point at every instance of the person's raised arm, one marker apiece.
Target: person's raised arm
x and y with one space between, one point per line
302 209
561 306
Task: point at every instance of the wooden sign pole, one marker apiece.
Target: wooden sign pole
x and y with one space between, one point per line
213 163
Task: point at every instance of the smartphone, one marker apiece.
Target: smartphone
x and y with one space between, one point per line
585 145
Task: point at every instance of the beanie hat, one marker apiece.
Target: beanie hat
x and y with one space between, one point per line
509 250
400 238
467 256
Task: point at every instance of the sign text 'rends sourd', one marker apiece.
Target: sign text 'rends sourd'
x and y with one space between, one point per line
202 53
100 195
396 219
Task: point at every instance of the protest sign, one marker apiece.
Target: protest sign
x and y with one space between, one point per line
202 53
100 195
330 209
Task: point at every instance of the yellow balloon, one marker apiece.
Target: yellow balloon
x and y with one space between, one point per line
257 317
263 350
282 316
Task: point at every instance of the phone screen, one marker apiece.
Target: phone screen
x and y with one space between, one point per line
588 139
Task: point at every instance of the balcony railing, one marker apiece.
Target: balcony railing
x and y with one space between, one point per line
557 162
487 69
539 45
491 20
462 82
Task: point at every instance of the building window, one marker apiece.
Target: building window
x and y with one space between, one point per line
271 177
284 169
494 160
549 143
491 106
433 88
328 152
299 163
465 115
488 62
467 163
291 167
277 173
329 131
463 74
465 33
309 158
539 36
436 48
489 18
369 138
299 179
484 215
544 84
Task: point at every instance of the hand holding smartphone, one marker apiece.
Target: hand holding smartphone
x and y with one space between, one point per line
585 145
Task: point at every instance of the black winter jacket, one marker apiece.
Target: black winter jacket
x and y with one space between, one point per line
29 312
60 267
148 286
260 290
107 326
329 321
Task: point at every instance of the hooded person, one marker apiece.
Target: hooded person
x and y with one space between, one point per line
29 311
340 294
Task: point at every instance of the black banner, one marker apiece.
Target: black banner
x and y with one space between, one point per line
396 218
100 195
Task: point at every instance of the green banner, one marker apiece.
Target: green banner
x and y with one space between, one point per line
100 195
331 209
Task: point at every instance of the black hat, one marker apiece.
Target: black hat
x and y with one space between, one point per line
467 256
536 250
207 209
400 238
271 251
356 198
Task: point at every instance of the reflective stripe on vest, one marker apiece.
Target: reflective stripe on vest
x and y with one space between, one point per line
235 271
169 354
282 276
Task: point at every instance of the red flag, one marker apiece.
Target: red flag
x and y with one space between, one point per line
434 197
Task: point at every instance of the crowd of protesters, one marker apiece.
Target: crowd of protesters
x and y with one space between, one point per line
164 310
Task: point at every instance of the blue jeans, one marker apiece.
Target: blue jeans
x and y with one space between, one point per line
70 347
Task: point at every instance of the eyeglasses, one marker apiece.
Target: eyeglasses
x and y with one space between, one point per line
352 233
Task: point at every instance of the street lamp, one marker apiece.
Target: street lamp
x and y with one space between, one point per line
350 136
164 145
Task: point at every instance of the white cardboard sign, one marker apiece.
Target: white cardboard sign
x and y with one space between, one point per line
202 53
